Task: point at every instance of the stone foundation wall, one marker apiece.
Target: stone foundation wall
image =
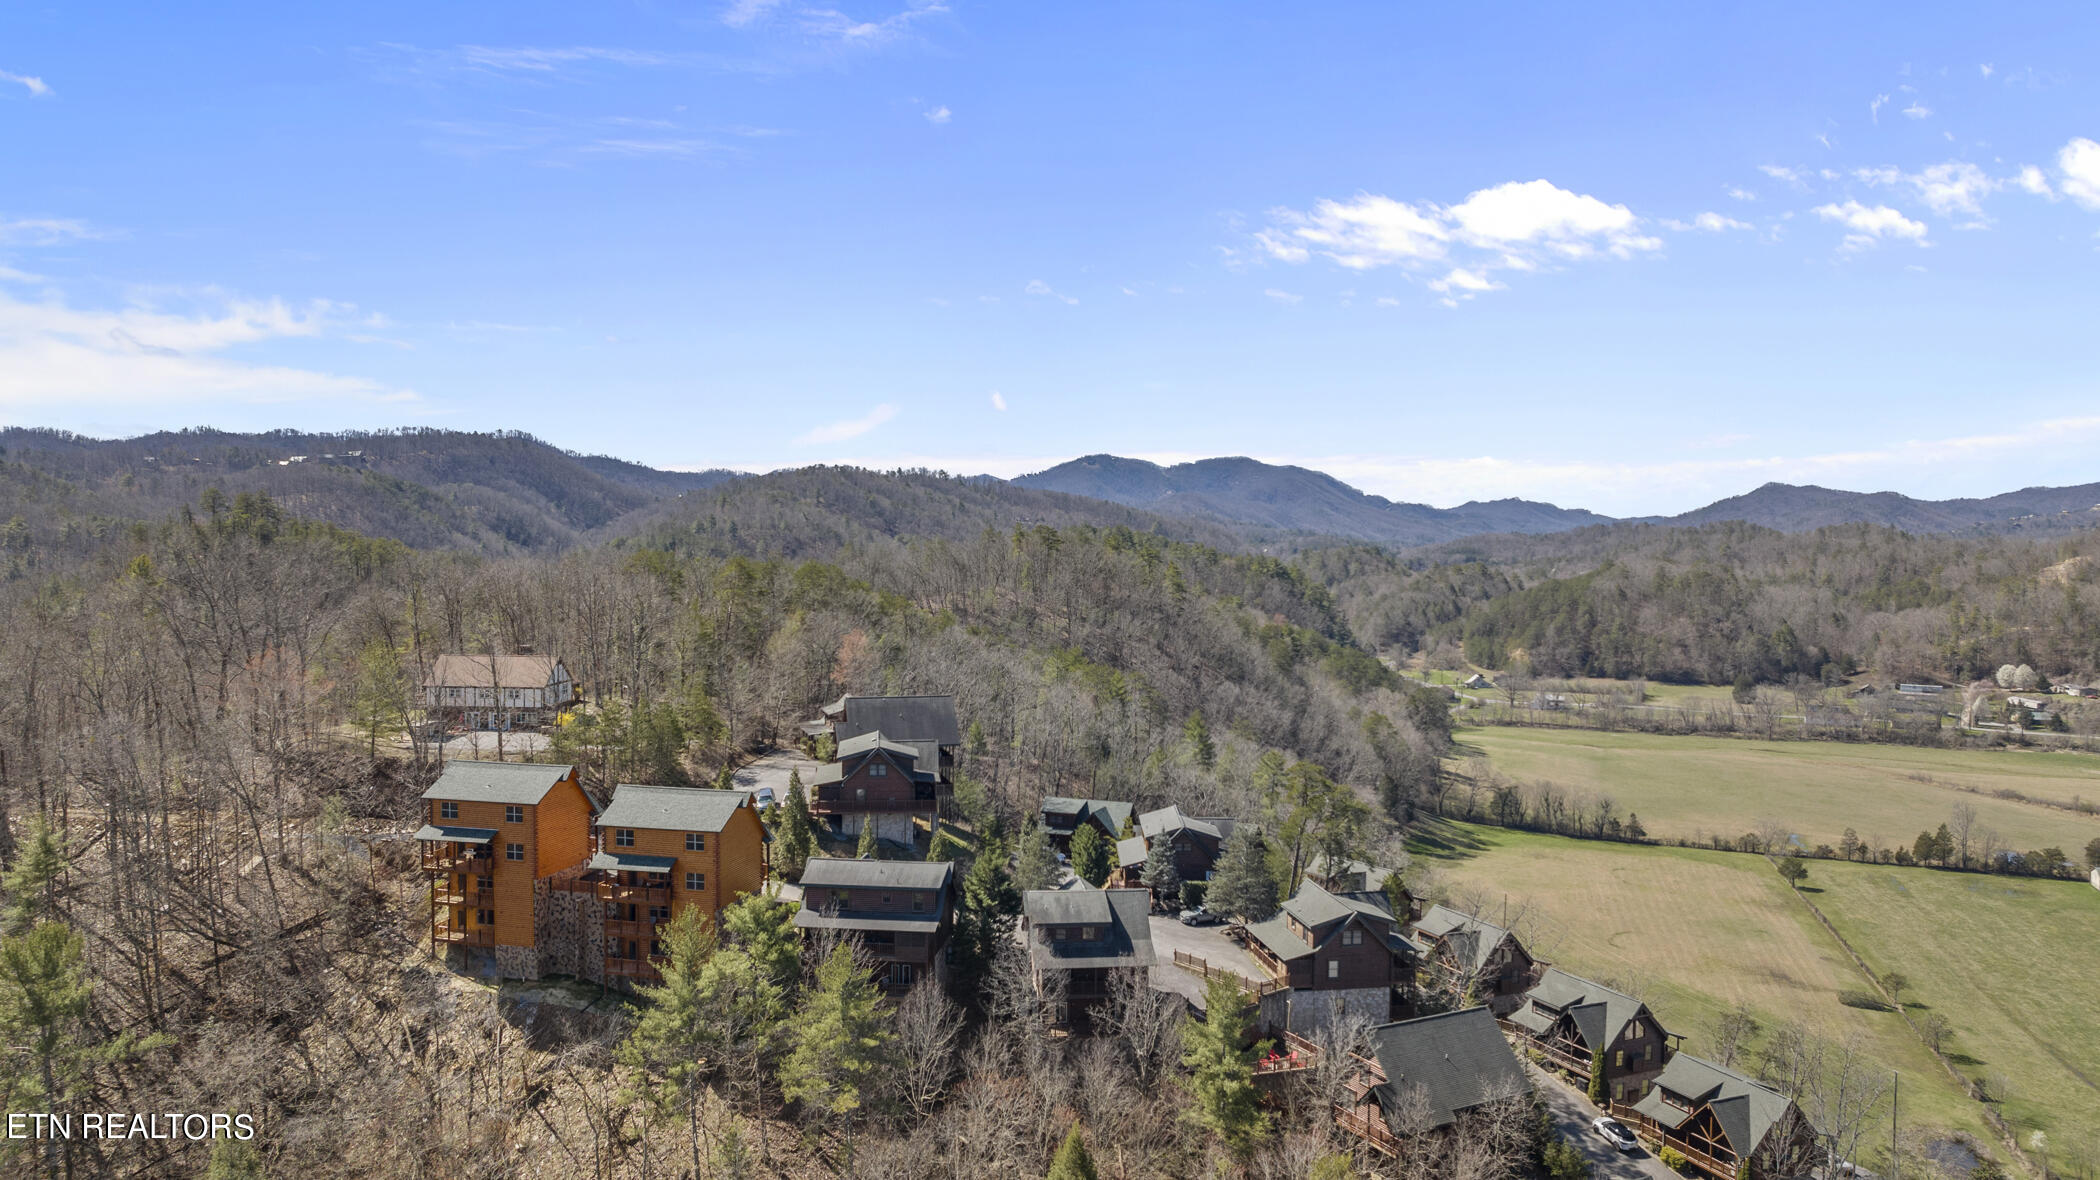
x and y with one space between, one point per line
517 962
570 929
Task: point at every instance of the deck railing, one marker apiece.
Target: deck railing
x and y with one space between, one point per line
440 857
822 804
464 936
1371 1130
616 891
1200 967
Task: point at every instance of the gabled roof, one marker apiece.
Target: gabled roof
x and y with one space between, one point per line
496 782
1130 852
1316 907
1458 1060
1121 915
1108 813
1471 939
928 718
1276 936
833 872
468 671
1747 1110
1366 876
873 740
1169 819
1599 1012
671 809
1313 908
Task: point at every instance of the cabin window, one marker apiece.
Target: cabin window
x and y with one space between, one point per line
623 837
1086 934
485 917
1352 937
879 770
448 811
514 852
484 881
1334 968
659 913
696 882
885 901
696 842
1619 1059
918 904
1634 1030
900 974
513 814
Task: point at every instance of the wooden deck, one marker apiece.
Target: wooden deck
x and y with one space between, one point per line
1200 967
1655 1136
1371 1130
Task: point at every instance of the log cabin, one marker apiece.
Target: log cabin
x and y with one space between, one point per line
499 692
1476 957
1340 955
900 911
493 832
1569 1020
1063 816
1721 1121
879 782
1428 1076
661 851
1079 941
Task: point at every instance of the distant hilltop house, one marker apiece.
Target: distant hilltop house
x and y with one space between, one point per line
1477 680
1921 690
499 692
2025 702
893 760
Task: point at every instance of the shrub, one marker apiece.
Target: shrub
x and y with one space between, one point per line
1672 1159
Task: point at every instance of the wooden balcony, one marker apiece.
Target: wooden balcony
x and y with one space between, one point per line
830 804
449 858
463 936
638 894
1655 1136
643 969
1371 1130
452 895
634 928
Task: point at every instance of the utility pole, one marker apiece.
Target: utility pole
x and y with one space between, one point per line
1895 1104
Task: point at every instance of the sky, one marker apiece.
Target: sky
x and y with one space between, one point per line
1626 258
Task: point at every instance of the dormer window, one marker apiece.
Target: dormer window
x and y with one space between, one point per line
1352 937
879 770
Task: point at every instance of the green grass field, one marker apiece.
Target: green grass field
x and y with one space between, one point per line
2013 965
1688 787
1696 933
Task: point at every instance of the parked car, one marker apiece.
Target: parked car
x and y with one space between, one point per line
1198 917
1616 1134
763 797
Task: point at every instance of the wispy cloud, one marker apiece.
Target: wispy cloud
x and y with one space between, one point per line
1874 107
834 25
1785 175
998 401
2079 166
1712 223
848 428
48 231
939 115
1518 226
34 85
1741 194
1868 225
1917 110
1039 287
743 13
1282 296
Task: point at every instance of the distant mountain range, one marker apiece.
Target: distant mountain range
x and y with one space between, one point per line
1250 492
509 492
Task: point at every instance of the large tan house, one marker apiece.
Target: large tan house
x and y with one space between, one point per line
498 692
493 832
663 850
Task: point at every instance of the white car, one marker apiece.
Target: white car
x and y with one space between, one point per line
763 798
1616 1134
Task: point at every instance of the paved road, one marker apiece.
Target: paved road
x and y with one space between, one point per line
1572 1114
1206 942
771 769
480 745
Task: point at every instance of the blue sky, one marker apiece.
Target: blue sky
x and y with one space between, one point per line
1631 259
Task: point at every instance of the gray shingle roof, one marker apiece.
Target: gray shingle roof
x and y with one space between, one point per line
808 919
671 809
1599 1012
1746 1109
617 860
1121 914
469 671
455 834
1109 813
1471 939
1279 939
1458 1060
874 740
928 718
831 872
496 782
1153 824
1130 852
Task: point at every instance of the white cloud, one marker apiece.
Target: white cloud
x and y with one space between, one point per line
1519 225
2032 180
848 428
1712 223
1039 287
998 401
1742 194
671 147
1462 280
1281 296
939 115
35 85
1917 110
2079 164
1788 175
1871 224
741 13
1987 69
835 25
10 274
1956 186
55 355
1874 107
47 231
527 59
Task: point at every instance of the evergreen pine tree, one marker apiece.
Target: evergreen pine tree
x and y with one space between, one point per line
866 849
1242 886
665 1047
1090 855
1159 874
933 840
726 780
1195 733
1597 1086
1036 865
233 1159
763 927
984 920
30 883
1221 1066
797 841
1072 1161
841 1037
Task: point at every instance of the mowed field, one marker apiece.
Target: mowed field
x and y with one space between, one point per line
1690 787
1695 933
2013 965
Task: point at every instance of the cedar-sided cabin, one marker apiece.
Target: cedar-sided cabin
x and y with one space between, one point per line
661 851
1340 954
1570 1020
925 723
499 692
1428 1076
1079 940
1478 956
1197 841
901 912
1062 817
492 832
876 781
1720 1120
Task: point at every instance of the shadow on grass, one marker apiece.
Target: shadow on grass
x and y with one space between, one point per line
1440 839
1809 888
1962 1059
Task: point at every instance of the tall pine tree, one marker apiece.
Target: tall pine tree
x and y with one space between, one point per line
1072 1162
842 1041
1242 886
667 1047
1092 858
1220 1061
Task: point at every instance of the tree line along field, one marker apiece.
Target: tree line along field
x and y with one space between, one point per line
1696 933
1691 787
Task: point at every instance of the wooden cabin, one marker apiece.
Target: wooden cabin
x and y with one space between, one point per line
498 692
492 832
1426 1076
1477 957
1720 1120
1062 817
1339 954
661 851
1569 1019
1079 940
876 781
901 912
